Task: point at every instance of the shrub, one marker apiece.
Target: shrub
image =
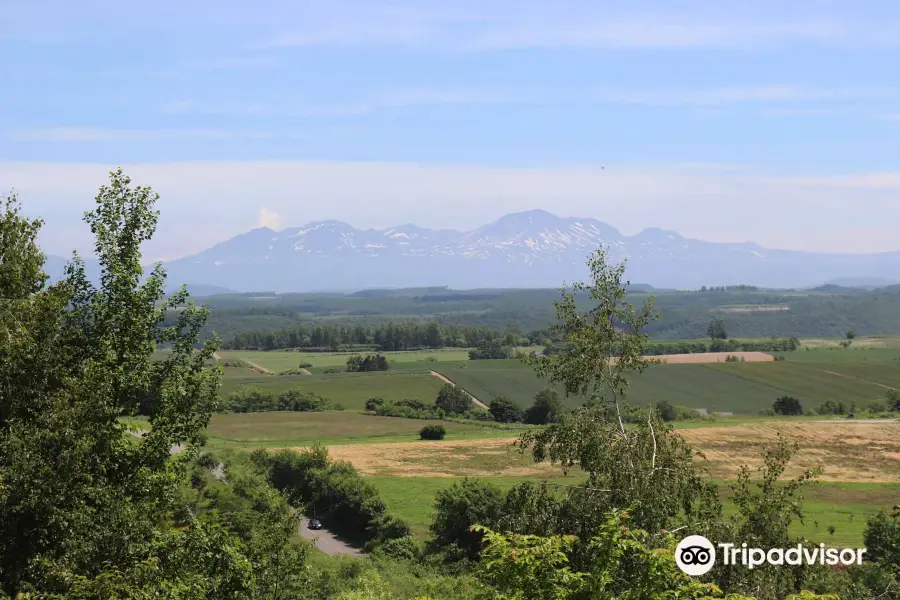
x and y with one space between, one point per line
251 399
830 407
547 408
882 538
458 507
453 400
305 365
372 362
876 407
373 403
666 411
504 410
395 409
403 548
787 405
893 400
432 432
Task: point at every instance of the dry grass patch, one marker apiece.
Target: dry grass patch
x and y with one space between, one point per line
848 451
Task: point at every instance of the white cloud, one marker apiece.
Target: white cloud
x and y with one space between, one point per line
269 218
712 202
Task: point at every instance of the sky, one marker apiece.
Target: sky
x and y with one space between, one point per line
767 121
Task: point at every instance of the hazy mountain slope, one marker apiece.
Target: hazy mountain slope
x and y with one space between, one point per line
529 249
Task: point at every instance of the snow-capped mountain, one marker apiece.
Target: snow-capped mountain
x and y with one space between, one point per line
528 249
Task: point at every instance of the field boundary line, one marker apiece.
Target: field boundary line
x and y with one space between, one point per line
447 380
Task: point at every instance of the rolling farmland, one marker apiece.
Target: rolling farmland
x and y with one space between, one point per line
349 389
849 376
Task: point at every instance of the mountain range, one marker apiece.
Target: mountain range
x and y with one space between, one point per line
522 250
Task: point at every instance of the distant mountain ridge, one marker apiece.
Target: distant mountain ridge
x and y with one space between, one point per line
522 250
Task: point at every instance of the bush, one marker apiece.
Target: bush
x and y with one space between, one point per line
396 409
882 538
893 400
432 432
251 399
504 410
372 362
666 411
373 403
547 408
458 507
305 365
453 400
403 548
830 407
787 405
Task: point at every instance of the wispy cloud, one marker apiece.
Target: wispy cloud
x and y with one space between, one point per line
652 32
88 134
782 100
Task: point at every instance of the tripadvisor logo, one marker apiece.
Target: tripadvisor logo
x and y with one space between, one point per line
695 555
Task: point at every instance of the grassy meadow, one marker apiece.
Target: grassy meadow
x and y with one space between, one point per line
275 430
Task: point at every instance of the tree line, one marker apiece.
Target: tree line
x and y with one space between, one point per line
386 337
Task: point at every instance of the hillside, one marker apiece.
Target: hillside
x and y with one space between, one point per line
527 249
684 315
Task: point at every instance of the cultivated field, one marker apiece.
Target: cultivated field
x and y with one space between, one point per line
712 357
294 429
843 375
284 360
349 389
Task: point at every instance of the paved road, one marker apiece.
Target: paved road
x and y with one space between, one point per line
325 540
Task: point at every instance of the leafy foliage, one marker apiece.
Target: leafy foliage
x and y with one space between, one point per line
80 501
432 432
787 405
547 408
453 400
504 410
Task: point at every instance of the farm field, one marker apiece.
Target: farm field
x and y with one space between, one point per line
850 451
294 429
349 389
283 360
862 473
845 375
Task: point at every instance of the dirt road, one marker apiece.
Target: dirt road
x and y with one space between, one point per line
845 376
445 380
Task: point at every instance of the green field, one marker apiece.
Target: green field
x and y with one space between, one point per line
846 506
284 360
292 429
349 389
859 376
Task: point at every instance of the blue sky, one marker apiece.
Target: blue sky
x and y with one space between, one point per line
768 121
